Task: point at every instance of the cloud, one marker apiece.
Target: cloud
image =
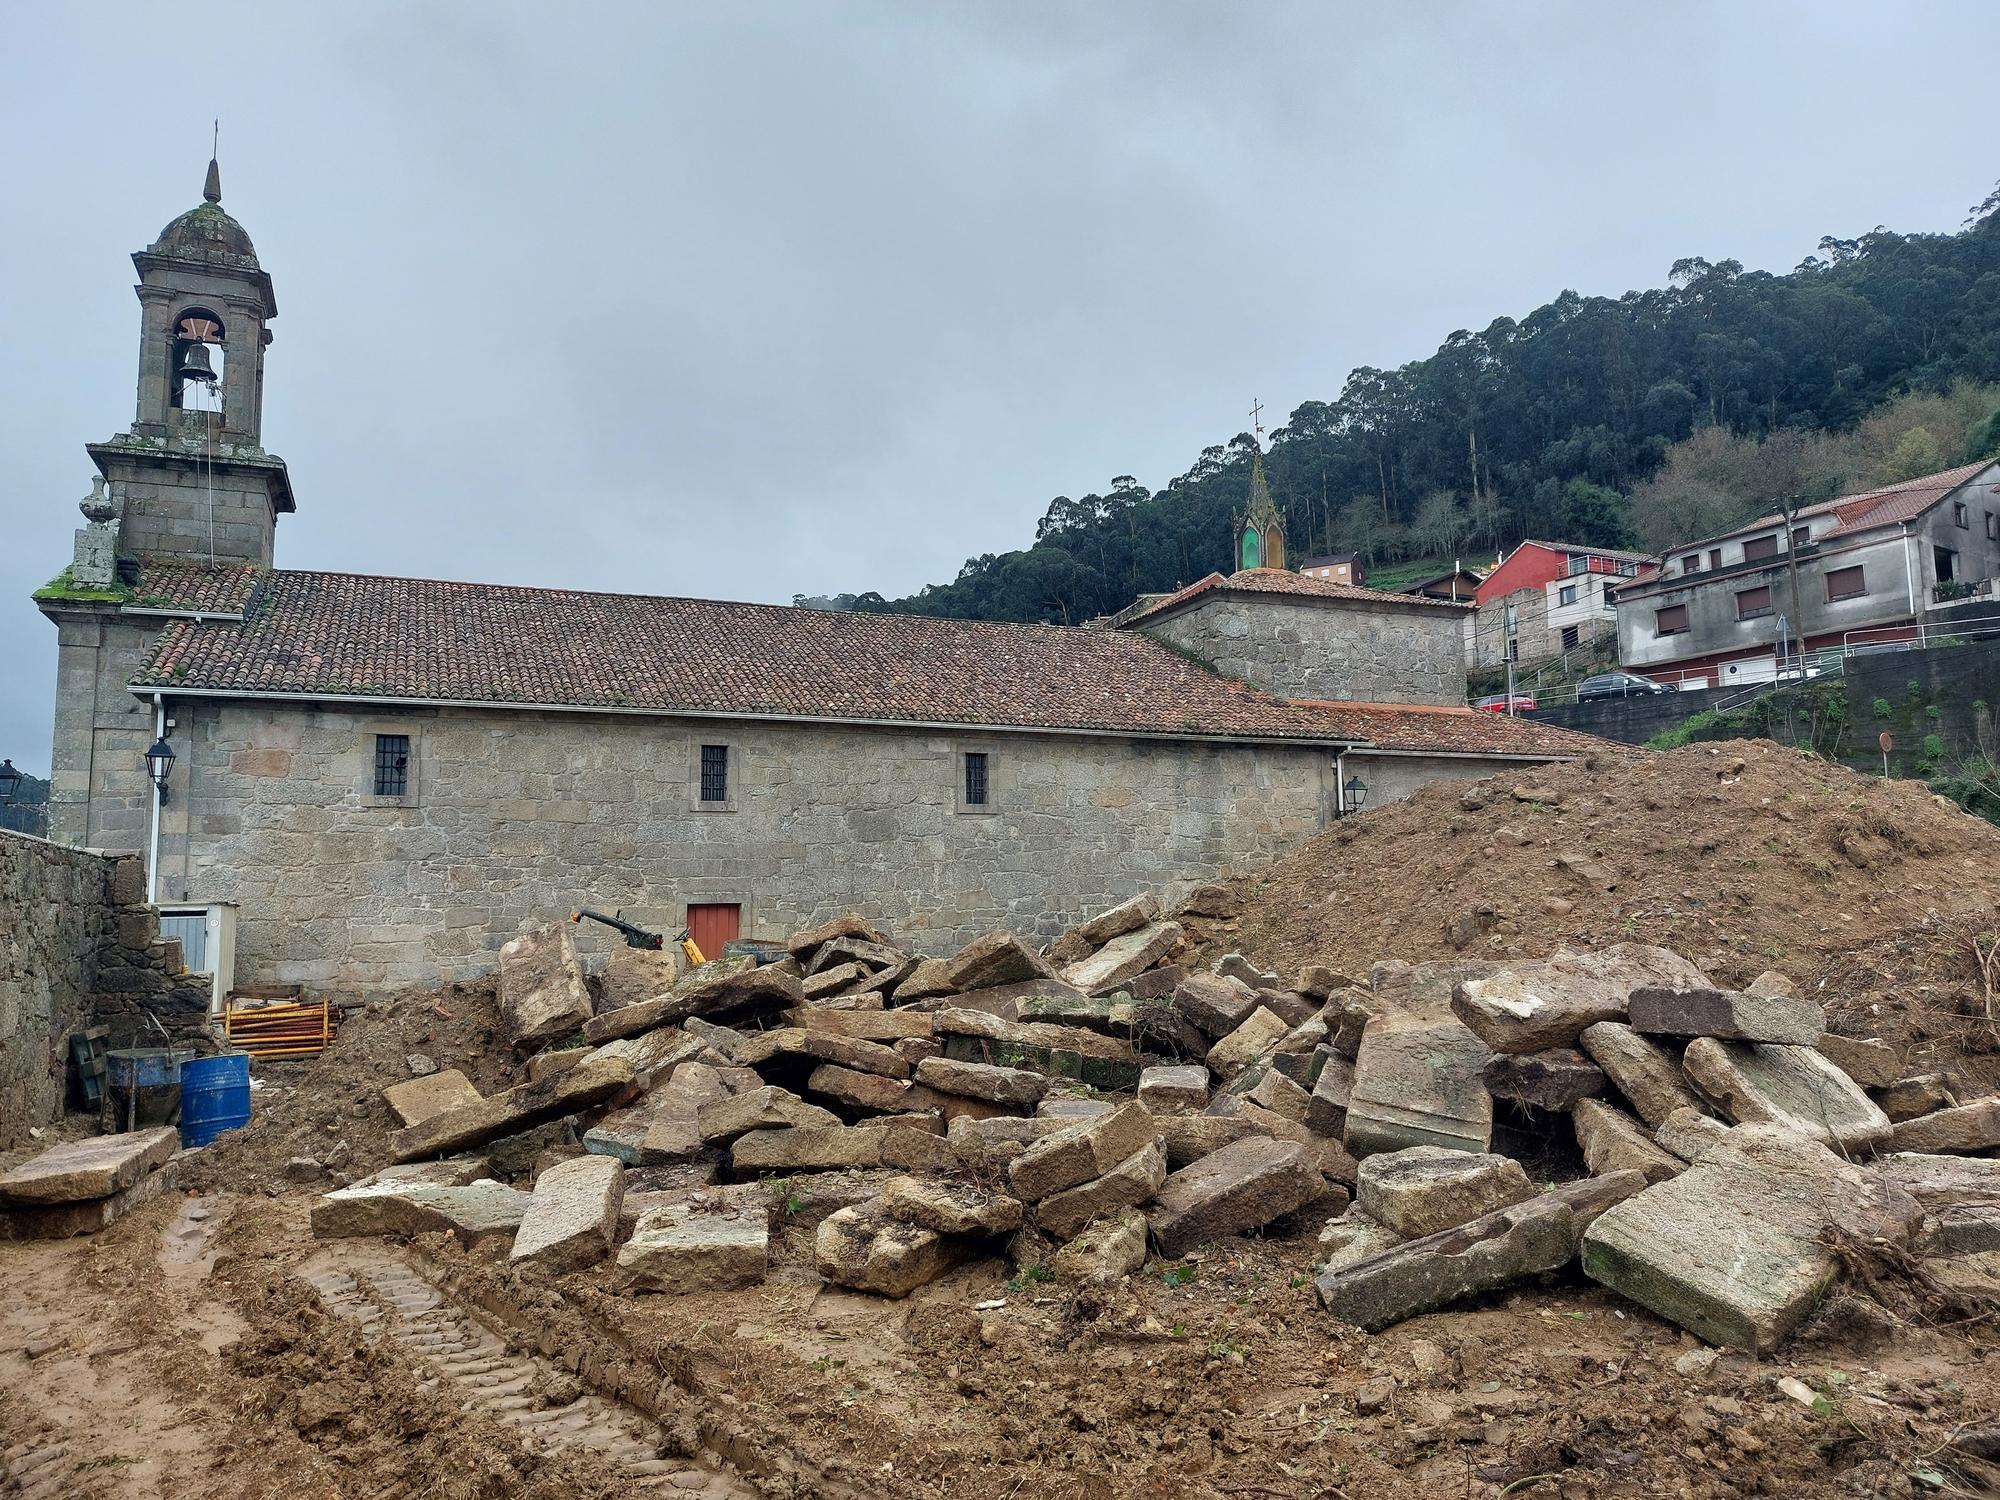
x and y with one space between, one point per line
775 298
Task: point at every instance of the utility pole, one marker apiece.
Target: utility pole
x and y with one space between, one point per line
1788 508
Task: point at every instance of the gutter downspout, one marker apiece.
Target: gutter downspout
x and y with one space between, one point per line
1339 785
153 843
1910 579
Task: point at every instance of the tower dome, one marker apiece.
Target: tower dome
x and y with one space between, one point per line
205 232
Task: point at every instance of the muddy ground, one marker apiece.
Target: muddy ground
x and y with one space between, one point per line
207 1345
180 1354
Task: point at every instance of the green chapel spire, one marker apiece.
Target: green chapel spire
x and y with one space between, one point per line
1260 540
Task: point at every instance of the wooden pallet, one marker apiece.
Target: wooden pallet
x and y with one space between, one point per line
278 1028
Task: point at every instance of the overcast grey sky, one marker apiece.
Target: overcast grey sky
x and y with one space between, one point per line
752 300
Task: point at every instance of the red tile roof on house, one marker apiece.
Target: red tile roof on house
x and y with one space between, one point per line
1583 551
342 635
1281 581
1890 505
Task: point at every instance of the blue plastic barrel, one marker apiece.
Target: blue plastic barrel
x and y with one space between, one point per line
215 1096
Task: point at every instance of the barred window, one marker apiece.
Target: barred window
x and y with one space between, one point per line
392 765
715 773
975 778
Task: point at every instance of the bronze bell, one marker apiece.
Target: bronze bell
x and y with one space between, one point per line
195 364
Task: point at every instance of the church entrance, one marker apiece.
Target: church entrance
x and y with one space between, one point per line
713 924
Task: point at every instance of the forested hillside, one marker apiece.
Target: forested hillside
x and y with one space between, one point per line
1624 421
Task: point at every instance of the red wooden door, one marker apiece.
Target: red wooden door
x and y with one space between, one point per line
712 925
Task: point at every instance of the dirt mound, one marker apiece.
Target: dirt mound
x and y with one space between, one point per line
330 1108
1744 856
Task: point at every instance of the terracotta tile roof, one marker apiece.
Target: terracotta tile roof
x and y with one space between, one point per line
337 634
196 587
1282 581
1899 503
1461 731
346 635
1587 551
1887 506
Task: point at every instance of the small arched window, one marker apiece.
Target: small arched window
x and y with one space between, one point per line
198 361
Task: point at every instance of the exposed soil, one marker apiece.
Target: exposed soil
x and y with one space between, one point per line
1744 856
220 1374
330 1108
183 1352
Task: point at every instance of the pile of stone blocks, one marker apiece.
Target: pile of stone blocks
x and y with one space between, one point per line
1073 1104
81 1186
886 1116
1727 1130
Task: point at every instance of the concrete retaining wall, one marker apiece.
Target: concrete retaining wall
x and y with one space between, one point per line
1938 705
1632 721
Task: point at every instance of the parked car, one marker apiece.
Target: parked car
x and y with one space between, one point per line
1524 703
1619 685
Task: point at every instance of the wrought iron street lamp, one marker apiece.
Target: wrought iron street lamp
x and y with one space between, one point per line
10 781
1353 794
160 765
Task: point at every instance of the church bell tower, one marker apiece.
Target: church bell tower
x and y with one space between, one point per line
190 482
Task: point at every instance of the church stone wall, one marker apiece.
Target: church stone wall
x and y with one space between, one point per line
1311 648
178 509
99 793
514 819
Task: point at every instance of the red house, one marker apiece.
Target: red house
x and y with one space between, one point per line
1544 599
1532 565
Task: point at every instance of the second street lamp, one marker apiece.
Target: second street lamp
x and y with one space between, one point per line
160 765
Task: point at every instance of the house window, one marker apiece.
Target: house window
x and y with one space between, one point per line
1752 604
1961 516
1570 637
715 773
1715 557
392 765
1760 547
1845 583
1993 526
1691 563
1567 594
975 778
1944 562
1801 535
1673 620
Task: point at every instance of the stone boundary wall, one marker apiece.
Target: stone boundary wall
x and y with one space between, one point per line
78 945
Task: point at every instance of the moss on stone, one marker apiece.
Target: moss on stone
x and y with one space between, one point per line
62 587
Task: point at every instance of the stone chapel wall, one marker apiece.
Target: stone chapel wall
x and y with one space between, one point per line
515 818
1309 648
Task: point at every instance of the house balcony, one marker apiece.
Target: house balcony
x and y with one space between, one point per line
1576 567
